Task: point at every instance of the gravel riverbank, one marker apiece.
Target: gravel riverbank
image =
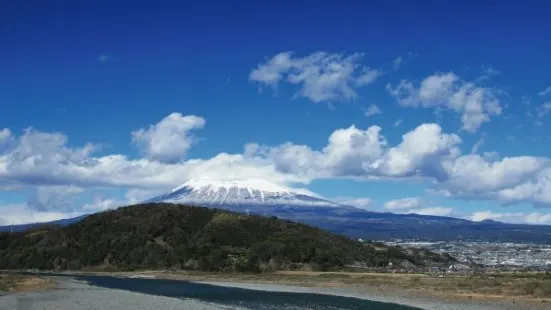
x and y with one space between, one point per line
72 294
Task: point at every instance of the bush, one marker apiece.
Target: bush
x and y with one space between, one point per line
6 282
536 288
415 280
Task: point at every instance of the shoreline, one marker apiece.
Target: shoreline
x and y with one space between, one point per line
344 284
409 297
427 303
400 285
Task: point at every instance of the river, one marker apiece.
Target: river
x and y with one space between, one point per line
103 292
244 298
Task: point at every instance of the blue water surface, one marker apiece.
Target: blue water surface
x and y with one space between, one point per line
230 296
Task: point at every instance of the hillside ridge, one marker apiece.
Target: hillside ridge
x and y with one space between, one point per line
170 236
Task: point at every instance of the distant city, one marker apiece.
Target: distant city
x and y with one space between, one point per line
488 256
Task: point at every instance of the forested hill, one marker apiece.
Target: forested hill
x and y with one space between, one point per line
160 236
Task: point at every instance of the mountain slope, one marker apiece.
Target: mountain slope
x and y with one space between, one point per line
261 197
158 236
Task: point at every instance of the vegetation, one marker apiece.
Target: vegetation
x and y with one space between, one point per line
169 236
6 283
19 283
511 286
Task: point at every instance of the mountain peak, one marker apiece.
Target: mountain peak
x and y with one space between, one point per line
210 192
250 185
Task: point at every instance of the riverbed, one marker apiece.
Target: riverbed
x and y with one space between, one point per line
80 292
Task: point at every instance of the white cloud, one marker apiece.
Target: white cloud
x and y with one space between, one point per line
35 156
103 202
362 203
397 123
490 215
535 218
322 77
424 152
397 62
61 202
6 140
419 153
372 110
170 139
487 72
437 211
5 135
475 104
400 60
478 144
544 110
545 92
474 175
99 204
105 57
353 152
22 214
535 190
344 154
52 203
416 205
59 198
404 203
46 160
139 195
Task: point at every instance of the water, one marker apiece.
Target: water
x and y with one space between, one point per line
250 299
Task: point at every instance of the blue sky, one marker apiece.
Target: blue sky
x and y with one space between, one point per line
128 100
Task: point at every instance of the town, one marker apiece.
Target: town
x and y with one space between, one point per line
487 257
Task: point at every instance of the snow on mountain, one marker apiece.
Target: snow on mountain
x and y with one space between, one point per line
240 192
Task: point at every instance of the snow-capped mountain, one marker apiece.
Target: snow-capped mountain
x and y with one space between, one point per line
236 193
268 199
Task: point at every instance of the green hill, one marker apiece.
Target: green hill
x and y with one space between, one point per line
162 236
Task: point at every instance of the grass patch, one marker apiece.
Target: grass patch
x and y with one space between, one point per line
22 283
7 282
537 288
4 287
333 276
